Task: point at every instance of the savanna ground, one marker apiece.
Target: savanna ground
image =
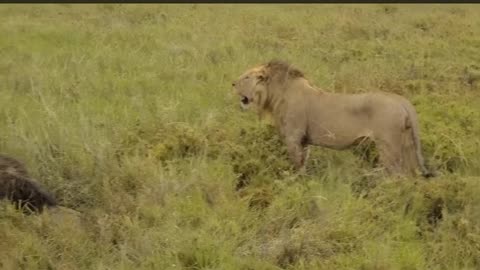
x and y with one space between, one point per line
126 113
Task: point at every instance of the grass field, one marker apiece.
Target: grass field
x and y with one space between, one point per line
126 113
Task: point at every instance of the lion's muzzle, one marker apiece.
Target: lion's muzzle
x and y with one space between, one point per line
245 100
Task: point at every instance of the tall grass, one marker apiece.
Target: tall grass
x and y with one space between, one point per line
125 112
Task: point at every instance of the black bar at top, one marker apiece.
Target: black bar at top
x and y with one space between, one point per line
246 1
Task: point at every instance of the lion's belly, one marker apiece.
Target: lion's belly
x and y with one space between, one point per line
338 121
335 141
337 134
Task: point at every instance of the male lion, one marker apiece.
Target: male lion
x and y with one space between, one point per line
307 115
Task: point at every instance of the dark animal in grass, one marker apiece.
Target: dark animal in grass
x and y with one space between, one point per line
18 187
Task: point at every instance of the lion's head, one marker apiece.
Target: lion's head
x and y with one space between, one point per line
249 85
254 85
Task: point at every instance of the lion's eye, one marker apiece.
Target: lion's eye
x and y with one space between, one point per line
247 77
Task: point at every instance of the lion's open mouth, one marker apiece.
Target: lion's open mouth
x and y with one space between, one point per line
245 100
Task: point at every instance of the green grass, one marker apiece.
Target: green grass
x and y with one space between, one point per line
125 112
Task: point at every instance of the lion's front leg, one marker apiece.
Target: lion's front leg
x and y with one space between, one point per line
306 152
293 128
298 154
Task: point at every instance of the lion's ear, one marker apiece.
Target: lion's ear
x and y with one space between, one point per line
262 75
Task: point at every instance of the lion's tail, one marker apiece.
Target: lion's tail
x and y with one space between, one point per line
413 123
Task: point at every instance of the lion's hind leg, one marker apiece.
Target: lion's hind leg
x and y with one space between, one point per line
409 154
390 155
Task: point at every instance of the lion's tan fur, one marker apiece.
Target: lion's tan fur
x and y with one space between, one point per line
306 115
